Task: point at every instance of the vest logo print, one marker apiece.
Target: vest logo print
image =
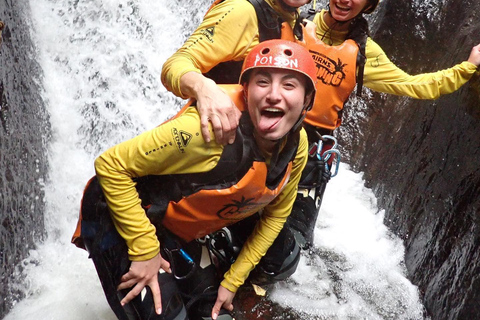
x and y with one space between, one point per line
209 33
329 71
235 210
182 139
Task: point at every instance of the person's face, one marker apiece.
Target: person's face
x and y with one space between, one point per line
275 100
344 10
295 3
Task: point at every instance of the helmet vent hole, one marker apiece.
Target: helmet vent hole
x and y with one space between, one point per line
266 51
288 53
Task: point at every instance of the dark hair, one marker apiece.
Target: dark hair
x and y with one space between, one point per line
358 31
372 7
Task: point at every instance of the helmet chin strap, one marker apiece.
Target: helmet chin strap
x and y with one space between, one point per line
307 107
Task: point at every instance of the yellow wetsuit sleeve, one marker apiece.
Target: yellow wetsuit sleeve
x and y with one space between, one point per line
270 224
227 33
176 146
382 75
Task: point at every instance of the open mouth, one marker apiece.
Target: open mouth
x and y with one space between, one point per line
270 117
272 112
344 9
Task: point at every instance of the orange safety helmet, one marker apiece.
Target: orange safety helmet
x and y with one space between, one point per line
281 54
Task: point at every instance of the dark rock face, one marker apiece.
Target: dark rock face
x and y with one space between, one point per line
23 133
421 157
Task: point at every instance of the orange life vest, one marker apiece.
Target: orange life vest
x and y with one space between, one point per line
336 78
208 210
194 205
203 205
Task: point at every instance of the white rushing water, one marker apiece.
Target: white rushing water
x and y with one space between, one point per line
101 61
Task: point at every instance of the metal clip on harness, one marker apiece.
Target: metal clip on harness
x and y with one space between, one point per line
219 244
180 252
332 152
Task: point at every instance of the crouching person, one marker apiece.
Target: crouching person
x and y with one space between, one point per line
159 197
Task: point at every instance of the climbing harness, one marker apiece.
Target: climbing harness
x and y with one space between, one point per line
323 164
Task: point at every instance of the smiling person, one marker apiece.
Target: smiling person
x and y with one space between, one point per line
344 30
155 195
214 53
347 57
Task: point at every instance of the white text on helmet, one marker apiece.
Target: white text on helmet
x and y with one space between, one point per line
280 62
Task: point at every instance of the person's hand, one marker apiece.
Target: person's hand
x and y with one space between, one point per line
224 299
475 55
142 274
213 105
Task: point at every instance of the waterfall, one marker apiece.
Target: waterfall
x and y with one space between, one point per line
101 62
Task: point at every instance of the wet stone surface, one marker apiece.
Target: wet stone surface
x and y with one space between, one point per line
250 306
24 130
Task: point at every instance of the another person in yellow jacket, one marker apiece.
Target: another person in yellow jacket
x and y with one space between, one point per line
167 187
342 20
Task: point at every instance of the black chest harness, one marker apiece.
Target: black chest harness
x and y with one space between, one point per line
157 191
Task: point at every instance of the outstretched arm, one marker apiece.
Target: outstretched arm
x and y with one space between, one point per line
383 75
214 105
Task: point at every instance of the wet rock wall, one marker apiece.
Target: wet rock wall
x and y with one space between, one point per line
24 131
421 157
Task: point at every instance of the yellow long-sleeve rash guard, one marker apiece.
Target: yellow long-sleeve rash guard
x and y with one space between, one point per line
160 152
228 32
382 75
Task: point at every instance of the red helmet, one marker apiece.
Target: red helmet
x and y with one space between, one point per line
281 54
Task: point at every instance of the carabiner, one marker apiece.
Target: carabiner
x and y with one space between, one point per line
336 161
327 154
182 253
324 138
